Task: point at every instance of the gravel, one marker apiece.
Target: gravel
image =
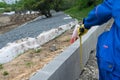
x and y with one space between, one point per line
90 71
33 29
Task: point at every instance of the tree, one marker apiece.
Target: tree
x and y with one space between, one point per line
28 4
3 5
57 4
43 6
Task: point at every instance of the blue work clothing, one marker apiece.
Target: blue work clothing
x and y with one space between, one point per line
108 46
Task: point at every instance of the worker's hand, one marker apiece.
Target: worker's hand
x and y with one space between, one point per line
78 31
75 35
82 30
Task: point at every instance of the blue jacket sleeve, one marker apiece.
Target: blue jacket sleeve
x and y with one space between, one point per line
116 12
99 15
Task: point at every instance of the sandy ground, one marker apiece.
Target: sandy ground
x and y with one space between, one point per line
28 63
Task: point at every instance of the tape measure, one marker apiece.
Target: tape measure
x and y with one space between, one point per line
81 55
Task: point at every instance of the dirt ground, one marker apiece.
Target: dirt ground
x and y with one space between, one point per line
4 20
10 22
8 28
28 63
25 65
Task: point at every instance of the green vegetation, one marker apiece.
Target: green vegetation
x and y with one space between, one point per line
76 8
82 8
28 64
5 73
78 14
1 66
37 50
4 7
67 39
43 6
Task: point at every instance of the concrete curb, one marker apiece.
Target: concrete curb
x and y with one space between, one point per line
66 66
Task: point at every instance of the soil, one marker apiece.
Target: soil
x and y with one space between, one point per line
10 22
8 28
25 65
5 20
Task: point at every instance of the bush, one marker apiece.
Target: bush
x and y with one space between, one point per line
5 73
1 10
7 10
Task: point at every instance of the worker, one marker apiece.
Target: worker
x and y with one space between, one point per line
108 45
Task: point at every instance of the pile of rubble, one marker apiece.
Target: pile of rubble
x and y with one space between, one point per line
21 18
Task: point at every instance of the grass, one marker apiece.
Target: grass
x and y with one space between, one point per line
29 64
78 14
1 11
1 66
37 50
67 39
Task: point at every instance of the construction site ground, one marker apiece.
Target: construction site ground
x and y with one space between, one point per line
25 65
6 19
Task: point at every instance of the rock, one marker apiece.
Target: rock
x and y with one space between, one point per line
53 47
